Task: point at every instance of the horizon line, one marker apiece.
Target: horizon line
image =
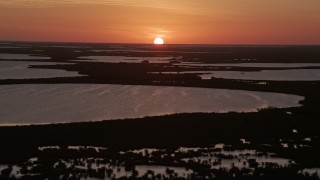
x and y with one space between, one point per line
212 44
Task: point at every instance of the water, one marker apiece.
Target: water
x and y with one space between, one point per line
53 103
264 75
181 172
179 165
272 75
259 65
312 171
237 158
118 59
2 167
21 70
21 56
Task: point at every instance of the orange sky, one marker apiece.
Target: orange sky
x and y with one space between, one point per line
177 21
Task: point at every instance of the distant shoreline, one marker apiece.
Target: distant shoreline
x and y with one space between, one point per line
117 43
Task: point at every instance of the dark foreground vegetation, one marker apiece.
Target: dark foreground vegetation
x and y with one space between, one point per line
293 136
172 163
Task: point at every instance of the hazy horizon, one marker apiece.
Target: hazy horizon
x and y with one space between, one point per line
146 43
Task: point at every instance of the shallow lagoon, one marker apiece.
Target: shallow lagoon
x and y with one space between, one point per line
21 56
259 65
264 75
125 59
272 75
21 70
27 104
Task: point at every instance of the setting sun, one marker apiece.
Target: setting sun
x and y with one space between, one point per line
158 40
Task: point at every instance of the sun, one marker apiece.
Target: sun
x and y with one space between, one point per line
158 40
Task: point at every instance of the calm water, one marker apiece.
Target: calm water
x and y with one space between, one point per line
118 59
273 75
261 65
21 56
25 104
21 70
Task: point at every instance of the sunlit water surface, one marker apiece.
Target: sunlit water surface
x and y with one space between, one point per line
53 103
